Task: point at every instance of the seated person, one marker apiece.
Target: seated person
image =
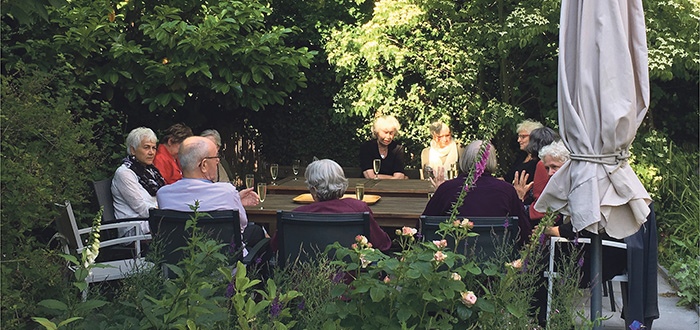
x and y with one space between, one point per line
525 161
385 148
522 181
553 157
488 197
166 157
136 181
327 184
199 158
443 151
215 137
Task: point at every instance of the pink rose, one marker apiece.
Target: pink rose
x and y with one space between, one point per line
440 244
467 224
354 246
439 256
408 231
468 298
456 223
361 239
456 277
387 279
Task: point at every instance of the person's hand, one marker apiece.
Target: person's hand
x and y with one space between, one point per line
521 185
549 231
249 197
439 177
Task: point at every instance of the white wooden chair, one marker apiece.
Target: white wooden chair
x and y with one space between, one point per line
551 274
72 240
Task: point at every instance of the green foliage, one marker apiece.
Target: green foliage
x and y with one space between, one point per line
46 153
686 272
674 187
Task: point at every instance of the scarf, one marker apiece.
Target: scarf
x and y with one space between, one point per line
442 157
149 176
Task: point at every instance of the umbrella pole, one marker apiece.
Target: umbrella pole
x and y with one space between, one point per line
596 281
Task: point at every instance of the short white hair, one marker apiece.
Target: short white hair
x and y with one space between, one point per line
528 125
214 134
327 179
385 122
556 150
136 136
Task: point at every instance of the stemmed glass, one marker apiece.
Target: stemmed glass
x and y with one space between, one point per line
376 166
262 192
250 180
295 168
273 172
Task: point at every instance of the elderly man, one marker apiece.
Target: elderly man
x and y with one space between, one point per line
199 159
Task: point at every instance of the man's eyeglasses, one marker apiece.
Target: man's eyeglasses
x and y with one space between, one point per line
209 157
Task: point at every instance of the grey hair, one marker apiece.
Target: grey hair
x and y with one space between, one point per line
556 150
385 121
539 138
436 127
213 133
327 179
133 140
471 152
192 152
528 125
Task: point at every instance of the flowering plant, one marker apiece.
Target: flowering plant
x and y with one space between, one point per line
426 285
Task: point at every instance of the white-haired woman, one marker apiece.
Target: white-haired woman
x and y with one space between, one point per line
525 161
327 183
443 151
490 197
136 181
390 152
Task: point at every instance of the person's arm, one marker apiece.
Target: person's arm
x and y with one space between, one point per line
377 236
130 189
241 210
249 197
399 163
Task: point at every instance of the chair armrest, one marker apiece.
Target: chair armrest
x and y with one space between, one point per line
115 225
257 251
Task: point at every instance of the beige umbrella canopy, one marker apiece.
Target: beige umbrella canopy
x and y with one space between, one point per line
603 96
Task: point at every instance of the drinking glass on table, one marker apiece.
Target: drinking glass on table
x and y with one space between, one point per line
262 192
376 166
360 191
295 168
274 168
250 180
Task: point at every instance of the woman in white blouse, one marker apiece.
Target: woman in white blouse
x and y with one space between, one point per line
136 181
443 152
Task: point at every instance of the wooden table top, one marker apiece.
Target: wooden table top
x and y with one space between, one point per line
389 211
384 188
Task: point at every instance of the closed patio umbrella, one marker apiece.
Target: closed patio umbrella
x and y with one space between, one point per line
603 95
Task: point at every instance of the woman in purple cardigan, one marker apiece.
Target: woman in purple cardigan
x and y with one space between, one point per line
490 197
327 184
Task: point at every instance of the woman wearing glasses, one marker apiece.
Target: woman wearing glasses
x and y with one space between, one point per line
443 152
525 161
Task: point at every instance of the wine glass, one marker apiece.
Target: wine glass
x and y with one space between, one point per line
274 168
376 166
295 168
262 192
250 180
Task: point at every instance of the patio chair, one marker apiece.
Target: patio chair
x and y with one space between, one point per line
493 232
551 274
103 191
72 243
168 226
302 235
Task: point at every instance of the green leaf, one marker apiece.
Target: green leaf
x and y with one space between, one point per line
45 322
54 304
72 319
377 293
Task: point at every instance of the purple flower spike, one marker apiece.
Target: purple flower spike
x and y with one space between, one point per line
258 260
524 268
580 262
229 290
338 277
301 305
542 238
506 223
636 325
275 308
419 235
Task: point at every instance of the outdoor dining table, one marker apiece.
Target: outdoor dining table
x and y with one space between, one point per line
389 211
384 188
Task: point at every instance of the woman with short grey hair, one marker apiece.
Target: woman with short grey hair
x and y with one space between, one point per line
326 180
327 184
137 180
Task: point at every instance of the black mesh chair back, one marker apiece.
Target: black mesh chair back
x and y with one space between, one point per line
302 235
103 191
493 233
168 228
